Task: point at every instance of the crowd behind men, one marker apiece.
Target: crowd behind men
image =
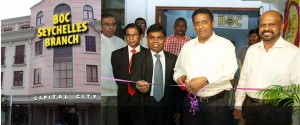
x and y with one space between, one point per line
207 62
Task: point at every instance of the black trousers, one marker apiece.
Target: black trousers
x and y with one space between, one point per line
211 113
265 114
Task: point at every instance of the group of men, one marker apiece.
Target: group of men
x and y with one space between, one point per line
158 71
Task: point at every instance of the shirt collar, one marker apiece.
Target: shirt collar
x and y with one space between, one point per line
278 44
103 36
138 48
173 36
211 39
161 53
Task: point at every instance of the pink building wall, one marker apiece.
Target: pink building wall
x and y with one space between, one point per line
80 57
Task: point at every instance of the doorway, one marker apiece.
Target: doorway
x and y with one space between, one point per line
238 35
68 115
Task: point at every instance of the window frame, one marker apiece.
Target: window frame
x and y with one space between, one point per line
19 57
40 18
18 77
88 9
89 73
39 76
38 50
89 40
3 55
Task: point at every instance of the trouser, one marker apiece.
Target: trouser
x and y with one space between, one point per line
109 113
211 112
258 113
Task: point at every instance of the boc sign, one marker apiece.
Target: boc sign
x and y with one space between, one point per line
230 21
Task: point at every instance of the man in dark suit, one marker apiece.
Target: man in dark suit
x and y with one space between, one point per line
121 62
156 101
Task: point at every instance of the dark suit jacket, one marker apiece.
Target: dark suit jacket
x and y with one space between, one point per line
120 63
142 69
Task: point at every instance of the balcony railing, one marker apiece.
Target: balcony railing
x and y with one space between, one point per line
19 59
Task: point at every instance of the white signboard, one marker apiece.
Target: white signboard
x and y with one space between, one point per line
230 21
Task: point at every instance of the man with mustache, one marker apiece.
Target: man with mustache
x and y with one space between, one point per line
175 42
109 43
273 61
208 60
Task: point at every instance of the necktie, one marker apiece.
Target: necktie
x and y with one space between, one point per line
158 79
130 89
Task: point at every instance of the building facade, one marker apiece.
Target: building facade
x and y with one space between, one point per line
55 84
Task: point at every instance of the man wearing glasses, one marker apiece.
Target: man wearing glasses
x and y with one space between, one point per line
142 23
109 43
121 63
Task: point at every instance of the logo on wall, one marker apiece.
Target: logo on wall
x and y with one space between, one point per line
230 21
291 22
63 32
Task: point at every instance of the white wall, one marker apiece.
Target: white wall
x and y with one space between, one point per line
146 8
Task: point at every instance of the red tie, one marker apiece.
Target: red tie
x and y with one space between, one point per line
130 89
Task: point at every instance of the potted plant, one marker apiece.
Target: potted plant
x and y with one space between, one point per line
287 95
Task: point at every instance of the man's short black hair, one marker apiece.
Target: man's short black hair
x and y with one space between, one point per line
106 15
133 25
253 31
140 18
156 28
181 19
204 11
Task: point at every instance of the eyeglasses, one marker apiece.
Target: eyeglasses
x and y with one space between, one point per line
141 24
132 35
109 24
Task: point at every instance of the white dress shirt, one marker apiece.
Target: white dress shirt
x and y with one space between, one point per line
279 66
138 49
163 64
144 42
215 60
108 45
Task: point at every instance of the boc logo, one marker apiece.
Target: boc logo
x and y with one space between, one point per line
224 21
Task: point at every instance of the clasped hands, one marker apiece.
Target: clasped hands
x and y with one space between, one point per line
142 86
194 85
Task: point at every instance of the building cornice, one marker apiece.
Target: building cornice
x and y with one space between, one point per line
16 20
96 25
24 34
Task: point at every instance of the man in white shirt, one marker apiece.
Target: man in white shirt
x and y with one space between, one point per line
143 24
208 60
273 61
109 43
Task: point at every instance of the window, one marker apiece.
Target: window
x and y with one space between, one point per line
40 18
90 44
2 55
37 76
2 79
88 12
92 73
8 29
18 78
62 8
63 67
26 26
39 48
19 55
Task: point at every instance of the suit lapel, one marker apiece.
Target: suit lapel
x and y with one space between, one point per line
168 66
125 57
149 65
